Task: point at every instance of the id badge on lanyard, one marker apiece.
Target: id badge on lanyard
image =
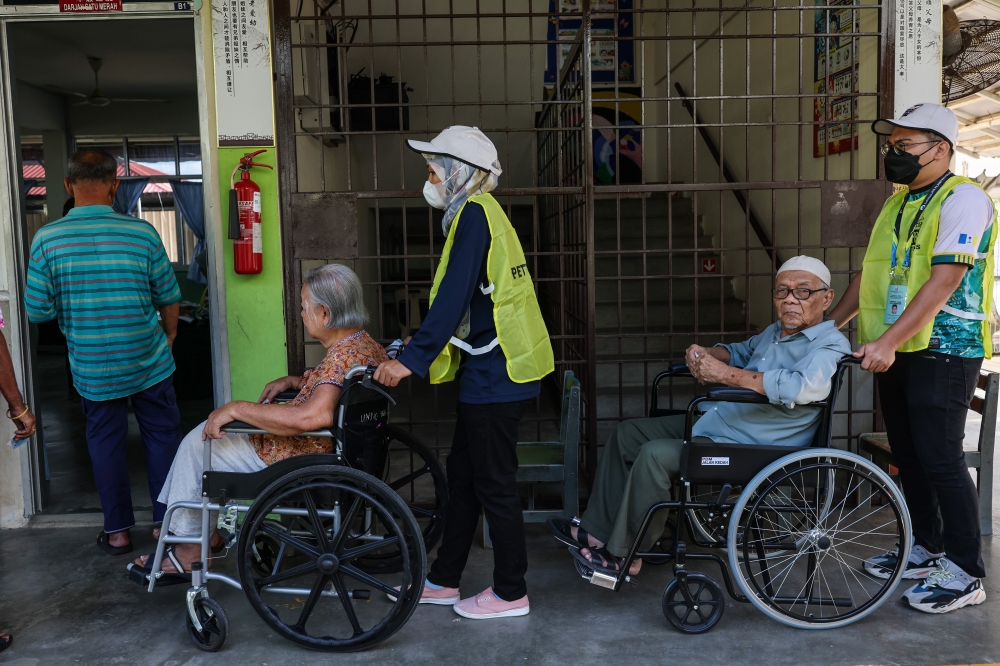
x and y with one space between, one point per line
895 301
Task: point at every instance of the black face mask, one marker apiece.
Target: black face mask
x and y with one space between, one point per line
903 169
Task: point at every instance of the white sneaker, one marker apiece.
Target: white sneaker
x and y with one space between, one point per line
948 588
920 564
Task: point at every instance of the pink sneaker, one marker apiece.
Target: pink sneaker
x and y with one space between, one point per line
485 605
446 596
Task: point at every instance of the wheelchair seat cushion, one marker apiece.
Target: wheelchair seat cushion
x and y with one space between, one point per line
234 485
357 349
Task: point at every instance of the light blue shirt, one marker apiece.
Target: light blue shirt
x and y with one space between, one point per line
797 370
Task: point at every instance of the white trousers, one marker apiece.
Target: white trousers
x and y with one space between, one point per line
232 453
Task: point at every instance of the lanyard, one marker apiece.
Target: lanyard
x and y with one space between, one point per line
915 225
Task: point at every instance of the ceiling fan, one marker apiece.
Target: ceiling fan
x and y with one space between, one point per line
97 98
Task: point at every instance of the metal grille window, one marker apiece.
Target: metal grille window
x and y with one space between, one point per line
661 158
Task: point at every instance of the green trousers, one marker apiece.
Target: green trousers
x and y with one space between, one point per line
635 471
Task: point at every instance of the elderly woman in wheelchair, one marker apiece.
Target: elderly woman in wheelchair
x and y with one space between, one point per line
763 420
322 515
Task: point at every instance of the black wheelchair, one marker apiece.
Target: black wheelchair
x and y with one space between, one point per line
321 532
796 525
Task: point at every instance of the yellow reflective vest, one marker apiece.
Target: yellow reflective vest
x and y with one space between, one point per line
521 332
875 277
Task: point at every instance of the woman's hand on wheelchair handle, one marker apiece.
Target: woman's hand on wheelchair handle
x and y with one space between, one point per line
391 373
218 418
272 389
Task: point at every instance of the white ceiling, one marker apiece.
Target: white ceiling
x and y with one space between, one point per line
142 57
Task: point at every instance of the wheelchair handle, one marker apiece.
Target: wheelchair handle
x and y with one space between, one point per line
369 382
675 370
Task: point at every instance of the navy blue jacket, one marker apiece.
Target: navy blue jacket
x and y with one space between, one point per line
482 379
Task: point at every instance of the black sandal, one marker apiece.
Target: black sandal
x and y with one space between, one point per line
5 642
599 560
105 545
561 531
140 573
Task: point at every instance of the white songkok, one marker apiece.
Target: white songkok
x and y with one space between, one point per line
809 265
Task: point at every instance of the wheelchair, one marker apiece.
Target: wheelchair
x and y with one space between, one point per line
796 525
322 531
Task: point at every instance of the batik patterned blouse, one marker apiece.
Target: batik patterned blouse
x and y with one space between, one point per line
358 349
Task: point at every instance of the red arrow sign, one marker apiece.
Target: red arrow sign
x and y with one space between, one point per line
709 266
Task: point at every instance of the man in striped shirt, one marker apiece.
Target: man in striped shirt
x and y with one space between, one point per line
104 276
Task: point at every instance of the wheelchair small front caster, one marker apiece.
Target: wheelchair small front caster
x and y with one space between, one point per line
214 625
697 611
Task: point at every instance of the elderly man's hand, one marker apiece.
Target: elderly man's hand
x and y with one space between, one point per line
391 373
878 356
216 420
699 362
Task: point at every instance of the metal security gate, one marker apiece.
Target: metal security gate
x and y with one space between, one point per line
661 158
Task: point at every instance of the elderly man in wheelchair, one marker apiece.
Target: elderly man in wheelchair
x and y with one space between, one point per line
322 516
755 474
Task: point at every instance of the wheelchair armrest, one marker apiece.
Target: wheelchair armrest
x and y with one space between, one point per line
674 370
247 429
729 394
286 396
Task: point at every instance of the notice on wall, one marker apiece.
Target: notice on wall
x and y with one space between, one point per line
835 78
89 6
243 80
918 53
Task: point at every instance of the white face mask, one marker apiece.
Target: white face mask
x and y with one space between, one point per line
434 195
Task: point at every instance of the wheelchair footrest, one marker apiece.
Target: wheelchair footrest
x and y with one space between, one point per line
140 576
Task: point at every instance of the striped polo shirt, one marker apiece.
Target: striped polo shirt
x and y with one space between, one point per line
104 275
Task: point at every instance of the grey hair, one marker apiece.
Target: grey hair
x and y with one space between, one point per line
93 165
338 288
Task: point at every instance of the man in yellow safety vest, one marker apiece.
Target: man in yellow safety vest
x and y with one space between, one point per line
923 297
484 330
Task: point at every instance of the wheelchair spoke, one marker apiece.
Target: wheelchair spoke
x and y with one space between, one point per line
367 548
359 575
347 603
409 478
345 524
314 595
285 575
417 511
291 541
317 522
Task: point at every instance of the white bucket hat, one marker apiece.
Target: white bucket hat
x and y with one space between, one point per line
932 118
466 144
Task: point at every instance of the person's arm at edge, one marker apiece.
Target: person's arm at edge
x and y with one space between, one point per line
39 293
847 308
25 421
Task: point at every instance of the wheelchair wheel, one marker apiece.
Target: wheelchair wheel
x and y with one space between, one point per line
425 491
265 549
306 595
708 528
699 609
801 531
214 625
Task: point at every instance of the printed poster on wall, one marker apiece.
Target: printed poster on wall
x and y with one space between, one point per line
243 78
918 54
609 57
835 73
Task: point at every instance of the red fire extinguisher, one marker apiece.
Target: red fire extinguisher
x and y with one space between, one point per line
244 217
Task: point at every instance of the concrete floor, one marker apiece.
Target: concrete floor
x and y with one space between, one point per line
67 603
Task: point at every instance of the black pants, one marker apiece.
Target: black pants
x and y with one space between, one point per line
925 397
482 476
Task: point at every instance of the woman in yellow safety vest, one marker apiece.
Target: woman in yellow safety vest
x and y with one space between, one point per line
484 330
923 298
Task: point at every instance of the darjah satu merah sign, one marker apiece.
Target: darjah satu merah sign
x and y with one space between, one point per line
93 6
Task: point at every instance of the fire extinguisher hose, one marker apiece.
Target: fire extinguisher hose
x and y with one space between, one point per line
234 211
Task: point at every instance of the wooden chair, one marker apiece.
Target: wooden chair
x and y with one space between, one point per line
552 462
984 402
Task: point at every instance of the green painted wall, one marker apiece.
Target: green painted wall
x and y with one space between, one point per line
254 310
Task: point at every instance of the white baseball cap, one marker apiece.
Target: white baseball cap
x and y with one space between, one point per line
928 117
466 144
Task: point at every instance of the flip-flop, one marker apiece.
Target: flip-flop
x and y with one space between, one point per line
5 643
598 557
561 531
103 543
141 573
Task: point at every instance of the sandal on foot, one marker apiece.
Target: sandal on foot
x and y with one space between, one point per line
5 641
600 560
561 530
105 545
